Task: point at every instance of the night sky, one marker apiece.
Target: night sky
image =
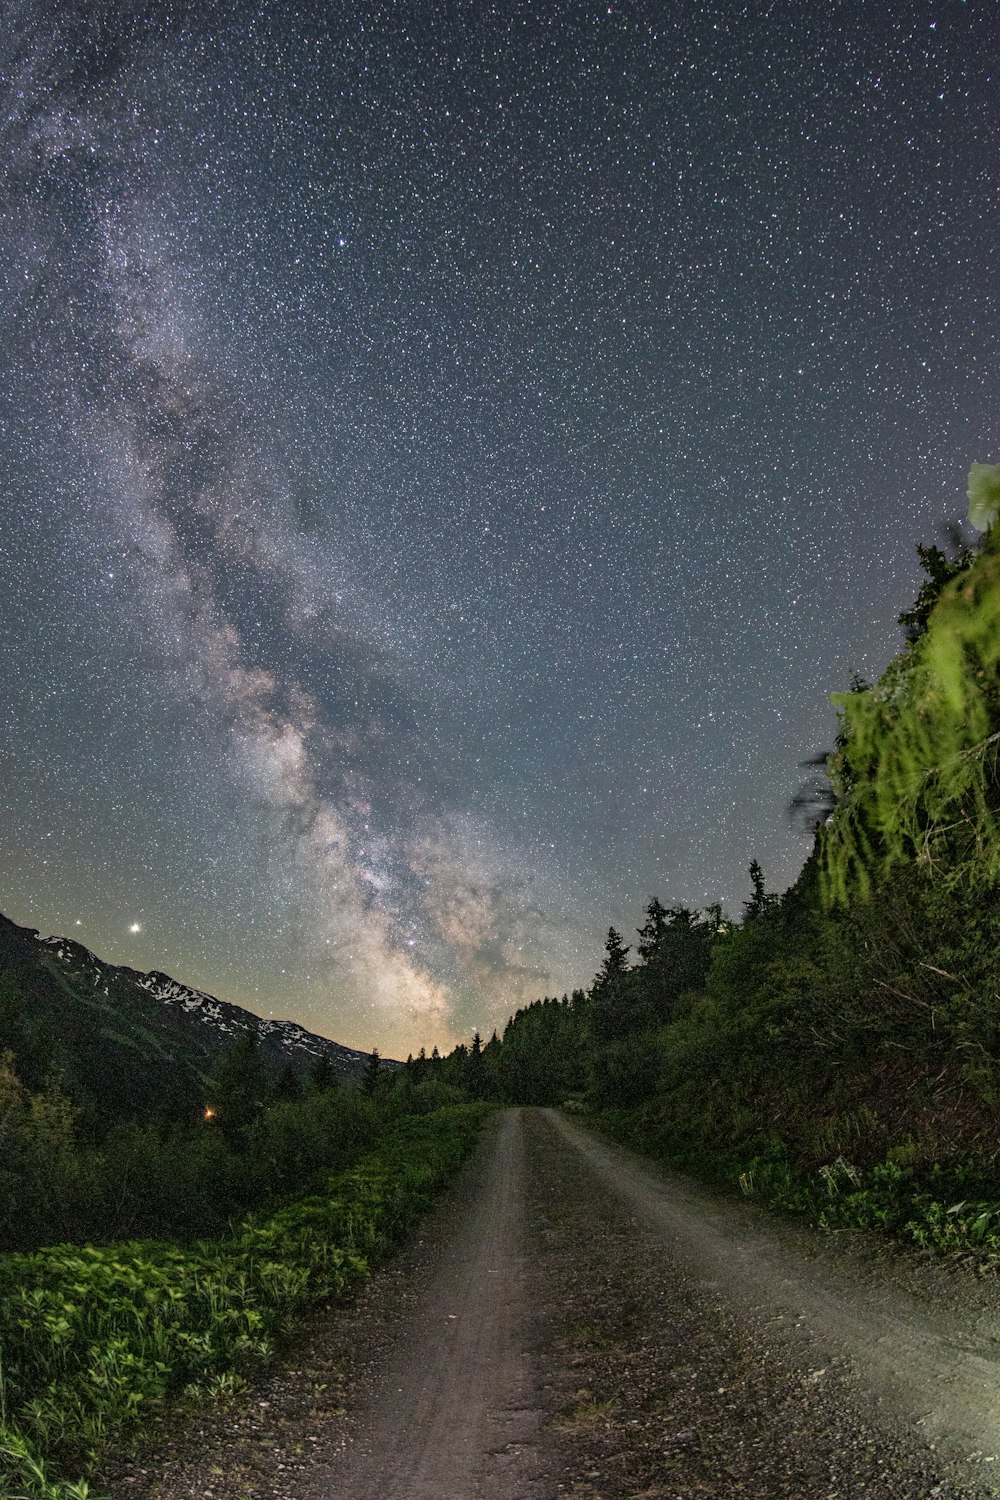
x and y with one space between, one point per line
450 453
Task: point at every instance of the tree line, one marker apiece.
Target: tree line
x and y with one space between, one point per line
262 1139
856 1016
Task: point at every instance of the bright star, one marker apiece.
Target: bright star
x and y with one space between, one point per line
135 927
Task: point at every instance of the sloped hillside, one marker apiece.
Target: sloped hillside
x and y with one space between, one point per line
127 1043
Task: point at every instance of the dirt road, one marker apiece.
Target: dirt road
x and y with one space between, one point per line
458 1388
575 1324
929 1365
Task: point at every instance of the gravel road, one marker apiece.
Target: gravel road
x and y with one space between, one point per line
458 1386
574 1323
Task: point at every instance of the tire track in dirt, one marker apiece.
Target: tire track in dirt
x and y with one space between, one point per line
598 1330
456 1417
928 1375
573 1324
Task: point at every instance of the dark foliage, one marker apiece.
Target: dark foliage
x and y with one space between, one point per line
255 1143
940 570
816 1036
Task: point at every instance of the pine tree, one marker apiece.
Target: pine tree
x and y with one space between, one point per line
321 1075
475 1077
761 901
609 1016
453 1067
239 1089
653 932
615 959
373 1068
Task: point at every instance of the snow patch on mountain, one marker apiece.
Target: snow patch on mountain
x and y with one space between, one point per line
284 1041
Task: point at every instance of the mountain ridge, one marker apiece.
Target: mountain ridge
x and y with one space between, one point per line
131 1040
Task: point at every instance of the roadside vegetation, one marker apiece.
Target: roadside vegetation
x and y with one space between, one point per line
258 1140
160 1263
834 1050
100 1340
154 1263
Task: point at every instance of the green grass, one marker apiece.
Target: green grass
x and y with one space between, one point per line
96 1341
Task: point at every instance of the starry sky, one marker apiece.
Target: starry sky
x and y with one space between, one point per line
449 455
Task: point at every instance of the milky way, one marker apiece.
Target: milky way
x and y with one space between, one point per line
449 456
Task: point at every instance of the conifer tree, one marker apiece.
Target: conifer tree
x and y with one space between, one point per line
940 570
615 958
761 900
321 1075
239 1089
475 1077
653 932
609 1017
373 1068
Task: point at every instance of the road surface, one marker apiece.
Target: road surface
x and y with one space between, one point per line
576 1325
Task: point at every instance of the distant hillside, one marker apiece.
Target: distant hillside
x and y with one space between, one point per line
131 1044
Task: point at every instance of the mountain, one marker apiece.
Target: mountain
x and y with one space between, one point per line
129 1044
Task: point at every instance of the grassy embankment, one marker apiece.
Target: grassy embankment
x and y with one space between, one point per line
96 1342
949 1208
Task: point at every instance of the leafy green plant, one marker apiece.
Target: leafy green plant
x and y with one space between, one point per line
94 1339
915 771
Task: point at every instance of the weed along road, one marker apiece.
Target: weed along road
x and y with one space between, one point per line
575 1323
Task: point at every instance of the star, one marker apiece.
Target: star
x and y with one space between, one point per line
391 624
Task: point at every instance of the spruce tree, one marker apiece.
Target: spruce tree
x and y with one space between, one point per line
321 1075
615 958
609 1015
475 1077
239 1089
760 901
653 932
373 1068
